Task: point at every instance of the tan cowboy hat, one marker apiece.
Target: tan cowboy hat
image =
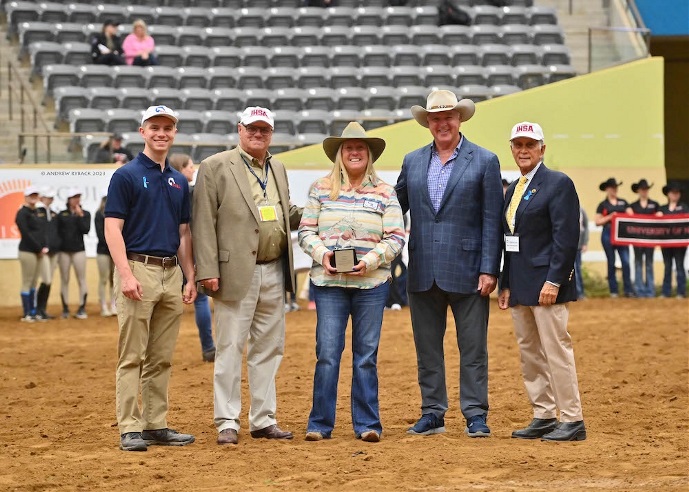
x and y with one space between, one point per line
351 132
442 100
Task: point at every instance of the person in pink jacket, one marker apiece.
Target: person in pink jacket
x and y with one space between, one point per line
139 46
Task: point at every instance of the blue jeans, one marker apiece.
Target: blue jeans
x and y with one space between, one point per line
677 255
334 305
643 260
623 253
578 276
202 313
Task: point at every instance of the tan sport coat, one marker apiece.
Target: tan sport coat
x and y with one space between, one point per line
225 224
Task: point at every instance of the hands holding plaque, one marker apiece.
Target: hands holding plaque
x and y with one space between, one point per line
343 260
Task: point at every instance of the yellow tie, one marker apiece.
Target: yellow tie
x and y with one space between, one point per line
514 203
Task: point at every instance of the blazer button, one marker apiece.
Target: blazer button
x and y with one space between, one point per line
256 231
437 221
253 253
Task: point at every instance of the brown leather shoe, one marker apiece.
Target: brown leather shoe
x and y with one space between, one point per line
271 432
227 436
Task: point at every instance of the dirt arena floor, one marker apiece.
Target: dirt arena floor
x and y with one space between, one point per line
59 431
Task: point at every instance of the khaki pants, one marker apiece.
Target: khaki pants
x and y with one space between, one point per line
148 334
259 318
550 374
30 265
105 274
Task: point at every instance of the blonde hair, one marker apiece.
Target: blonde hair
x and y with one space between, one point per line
338 176
141 23
179 161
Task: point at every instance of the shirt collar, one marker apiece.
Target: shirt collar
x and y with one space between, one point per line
252 159
532 173
434 150
150 163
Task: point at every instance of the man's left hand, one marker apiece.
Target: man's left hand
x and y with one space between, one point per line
189 293
486 284
548 294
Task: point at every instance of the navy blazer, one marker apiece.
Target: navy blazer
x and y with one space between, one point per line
547 223
463 239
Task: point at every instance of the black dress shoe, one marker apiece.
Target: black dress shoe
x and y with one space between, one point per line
271 432
537 428
567 431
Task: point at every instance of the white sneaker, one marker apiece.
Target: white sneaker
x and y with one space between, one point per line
396 307
27 319
105 312
287 307
295 307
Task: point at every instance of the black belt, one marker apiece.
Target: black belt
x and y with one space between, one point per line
167 262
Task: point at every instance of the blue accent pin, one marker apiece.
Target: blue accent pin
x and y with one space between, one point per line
145 182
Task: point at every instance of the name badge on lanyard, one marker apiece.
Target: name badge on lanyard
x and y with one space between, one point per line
266 211
511 243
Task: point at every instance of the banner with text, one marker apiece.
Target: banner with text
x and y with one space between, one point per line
650 230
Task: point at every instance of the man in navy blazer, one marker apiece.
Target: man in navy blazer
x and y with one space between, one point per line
453 191
541 224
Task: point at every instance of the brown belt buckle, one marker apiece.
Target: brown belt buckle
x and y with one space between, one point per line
169 261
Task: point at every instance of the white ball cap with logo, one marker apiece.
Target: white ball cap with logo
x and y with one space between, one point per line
72 192
528 130
31 190
253 114
159 111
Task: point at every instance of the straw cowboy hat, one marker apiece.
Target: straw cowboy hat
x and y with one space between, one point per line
641 185
351 132
610 183
442 100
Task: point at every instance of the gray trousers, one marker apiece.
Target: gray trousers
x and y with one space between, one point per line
429 321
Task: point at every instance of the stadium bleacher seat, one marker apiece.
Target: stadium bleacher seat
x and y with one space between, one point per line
112 12
191 77
128 76
516 34
163 34
33 32
76 53
198 99
207 144
525 54
381 97
503 90
81 13
135 97
281 17
374 76
104 98
221 77
314 121
221 122
486 14
190 121
308 77
96 76
345 56
67 32
250 17
190 35
168 16
375 56
555 54
286 121
160 77
342 77
494 54
167 96
228 100
310 17
547 34
226 56
453 35
334 35
470 75
196 56
340 119
44 53
18 13
424 35
529 76
394 35
501 75
286 57
340 15
410 95
475 92
407 55
169 56
223 17
197 16
119 120
290 99
438 75
351 98
315 56
557 73
542 15
405 76
276 36
86 120
280 78
68 98
258 97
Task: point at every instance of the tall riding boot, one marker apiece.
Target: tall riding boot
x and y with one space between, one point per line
42 301
26 306
32 302
65 308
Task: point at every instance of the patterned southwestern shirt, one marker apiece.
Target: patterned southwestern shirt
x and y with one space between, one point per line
368 219
439 174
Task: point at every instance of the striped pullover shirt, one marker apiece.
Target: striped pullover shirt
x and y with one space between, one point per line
368 218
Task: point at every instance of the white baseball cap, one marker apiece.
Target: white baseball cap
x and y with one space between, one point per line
253 114
47 192
31 190
159 111
73 192
528 130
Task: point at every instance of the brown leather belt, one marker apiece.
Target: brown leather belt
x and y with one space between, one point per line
265 262
167 262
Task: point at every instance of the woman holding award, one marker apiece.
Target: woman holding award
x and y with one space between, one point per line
352 227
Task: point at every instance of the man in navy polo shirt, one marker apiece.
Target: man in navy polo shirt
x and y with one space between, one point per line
147 231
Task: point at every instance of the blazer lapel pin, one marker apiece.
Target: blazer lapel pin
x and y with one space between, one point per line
529 194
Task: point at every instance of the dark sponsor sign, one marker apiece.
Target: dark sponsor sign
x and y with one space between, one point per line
650 230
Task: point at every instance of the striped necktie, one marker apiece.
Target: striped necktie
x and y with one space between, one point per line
514 203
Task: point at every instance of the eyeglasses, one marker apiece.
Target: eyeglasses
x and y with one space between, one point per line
263 130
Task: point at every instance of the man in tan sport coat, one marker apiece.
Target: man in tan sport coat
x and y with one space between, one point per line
241 222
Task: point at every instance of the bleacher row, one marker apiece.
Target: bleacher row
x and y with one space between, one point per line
305 63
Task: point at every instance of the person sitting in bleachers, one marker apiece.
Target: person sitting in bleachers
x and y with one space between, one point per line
112 150
106 47
139 46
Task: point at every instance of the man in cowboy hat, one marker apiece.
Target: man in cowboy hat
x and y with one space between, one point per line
453 191
241 218
643 256
541 224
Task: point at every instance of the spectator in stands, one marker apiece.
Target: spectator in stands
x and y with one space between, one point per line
581 249
106 46
604 213
643 257
112 150
139 46
32 246
49 263
673 192
72 224
106 267
351 208
202 306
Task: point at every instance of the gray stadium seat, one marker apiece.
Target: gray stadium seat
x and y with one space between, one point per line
436 54
394 35
465 54
291 99
375 56
376 118
286 57
135 98
306 36
486 14
81 13
335 35
70 32
228 100
250 17
310 16
104 98
514 14
374 76
59 76
411 95
320 98
529 76
218 36
365 35
96 76
198 99
68 98
547 34
197 16
426 15
339 16
76 53
308 77
226 56
381 97
208 144
168 16
286 121
516 34
501 75
169 56
110 11
340 119
190 35
190 121
407 55
314 121
276 36
398 16
163 34
438 75
191 77
143 12
525 54
196 56
19 12
128 76
44 53
281 17
557 73
368 16
555 54
455 35
250 78
33 32
495 54
485 34
84 120
221 77
345 56
121 120
160 77
311 139
222 122
258 97
475 92
422 35
168 97
542 15
503 90
282 142
280 78
246 37
405 76
351 98
223 17
343 77
470 75
315 56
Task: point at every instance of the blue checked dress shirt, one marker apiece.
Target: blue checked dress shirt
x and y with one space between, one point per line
438 175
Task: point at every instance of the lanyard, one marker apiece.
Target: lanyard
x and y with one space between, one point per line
263 184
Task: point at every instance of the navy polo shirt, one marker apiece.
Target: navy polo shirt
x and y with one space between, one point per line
152 204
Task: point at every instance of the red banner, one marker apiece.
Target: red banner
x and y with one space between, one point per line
649 230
